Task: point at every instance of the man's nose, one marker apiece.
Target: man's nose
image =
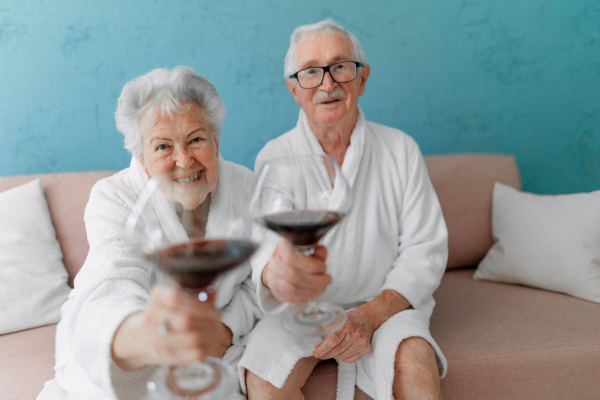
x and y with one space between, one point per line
328 83
183 158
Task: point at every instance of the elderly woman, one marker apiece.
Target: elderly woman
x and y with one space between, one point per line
112 333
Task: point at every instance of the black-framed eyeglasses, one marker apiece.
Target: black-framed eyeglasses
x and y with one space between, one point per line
340 72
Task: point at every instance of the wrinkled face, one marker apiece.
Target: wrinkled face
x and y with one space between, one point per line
184 150
337 101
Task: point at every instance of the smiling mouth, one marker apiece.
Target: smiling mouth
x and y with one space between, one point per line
190 179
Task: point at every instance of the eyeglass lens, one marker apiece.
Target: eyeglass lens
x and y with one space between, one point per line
341 72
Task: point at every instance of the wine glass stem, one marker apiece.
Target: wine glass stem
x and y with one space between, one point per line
311 307
309 251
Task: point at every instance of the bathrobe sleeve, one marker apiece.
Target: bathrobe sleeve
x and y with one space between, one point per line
423 237
242 312
112 284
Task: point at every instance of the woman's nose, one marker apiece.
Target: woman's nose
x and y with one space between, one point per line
183 158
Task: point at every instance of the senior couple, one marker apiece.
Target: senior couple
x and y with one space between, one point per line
383 267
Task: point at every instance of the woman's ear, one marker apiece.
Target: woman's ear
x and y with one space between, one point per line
144 166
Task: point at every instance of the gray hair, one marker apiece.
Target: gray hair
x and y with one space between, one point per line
327 27
165 91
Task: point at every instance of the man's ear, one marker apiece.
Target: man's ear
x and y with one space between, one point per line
292 88
364 75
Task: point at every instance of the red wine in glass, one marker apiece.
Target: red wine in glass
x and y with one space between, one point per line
195 265
303 228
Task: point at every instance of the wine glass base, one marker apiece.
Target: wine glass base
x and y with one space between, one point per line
322 319
208 380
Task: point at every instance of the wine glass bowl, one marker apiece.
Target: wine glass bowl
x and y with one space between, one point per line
302 198
175 238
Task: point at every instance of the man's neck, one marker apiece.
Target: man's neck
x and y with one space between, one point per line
335 137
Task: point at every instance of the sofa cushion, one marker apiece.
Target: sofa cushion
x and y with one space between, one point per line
322 383
514 342
33 279
26 362
67 194
464 184
545 241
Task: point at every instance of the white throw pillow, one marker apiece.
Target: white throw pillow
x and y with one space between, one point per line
545 241
33 279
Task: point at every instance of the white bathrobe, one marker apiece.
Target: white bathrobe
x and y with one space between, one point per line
114 283
394 238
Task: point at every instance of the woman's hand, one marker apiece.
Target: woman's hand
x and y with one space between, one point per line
294 277
175 328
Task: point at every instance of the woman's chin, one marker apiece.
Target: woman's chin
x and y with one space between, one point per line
191 196
191 201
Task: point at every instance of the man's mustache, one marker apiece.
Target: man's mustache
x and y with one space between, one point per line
321 95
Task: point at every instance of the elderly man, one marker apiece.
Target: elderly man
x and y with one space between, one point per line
384 262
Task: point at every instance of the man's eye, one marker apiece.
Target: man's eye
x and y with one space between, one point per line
196 139
310 71
162 147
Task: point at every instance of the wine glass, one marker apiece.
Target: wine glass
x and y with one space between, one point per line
175 240
302 198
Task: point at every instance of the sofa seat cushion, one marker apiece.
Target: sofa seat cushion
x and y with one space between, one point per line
322 383
513 342
26 362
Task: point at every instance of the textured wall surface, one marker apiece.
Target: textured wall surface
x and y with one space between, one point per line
516 76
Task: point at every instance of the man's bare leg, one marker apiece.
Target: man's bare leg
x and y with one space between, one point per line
259 389
416 374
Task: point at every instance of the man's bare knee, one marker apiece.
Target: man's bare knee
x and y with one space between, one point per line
416 374
415 351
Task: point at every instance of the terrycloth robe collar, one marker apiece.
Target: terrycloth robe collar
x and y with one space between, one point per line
307 143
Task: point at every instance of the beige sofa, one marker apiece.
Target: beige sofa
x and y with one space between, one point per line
501 341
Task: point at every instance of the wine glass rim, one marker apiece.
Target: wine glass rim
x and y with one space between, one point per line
138 207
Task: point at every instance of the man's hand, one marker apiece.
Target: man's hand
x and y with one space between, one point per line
294 277
353 341
350 343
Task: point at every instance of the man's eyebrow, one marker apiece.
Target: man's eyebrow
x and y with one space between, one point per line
313 63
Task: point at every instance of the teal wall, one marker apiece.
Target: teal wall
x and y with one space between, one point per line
512 76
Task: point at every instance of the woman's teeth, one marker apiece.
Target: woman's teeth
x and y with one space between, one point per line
191 179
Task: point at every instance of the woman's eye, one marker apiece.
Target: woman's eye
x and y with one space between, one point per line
197 139
162 147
